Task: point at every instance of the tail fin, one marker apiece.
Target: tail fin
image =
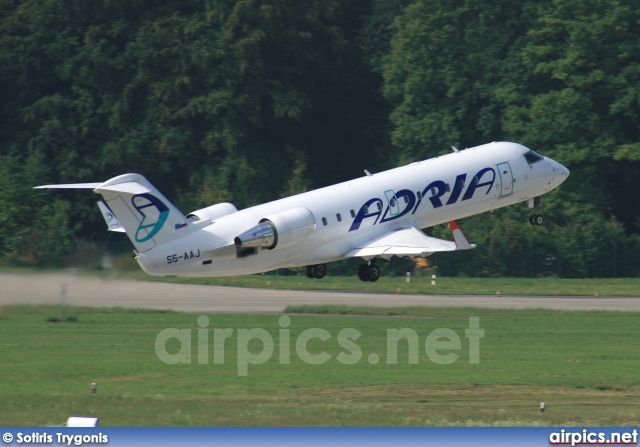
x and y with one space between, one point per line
147 217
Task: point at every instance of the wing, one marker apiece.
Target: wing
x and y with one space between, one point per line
410 241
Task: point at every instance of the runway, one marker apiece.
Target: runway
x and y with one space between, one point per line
114 292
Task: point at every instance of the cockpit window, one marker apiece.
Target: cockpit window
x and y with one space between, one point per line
532 157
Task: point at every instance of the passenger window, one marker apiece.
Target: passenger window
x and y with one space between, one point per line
419 194
339 217
353 213
393 202
406 198
324 221
379 206
448 188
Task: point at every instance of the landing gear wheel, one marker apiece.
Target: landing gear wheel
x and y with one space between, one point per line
320 271
369 273
362 273
310 271
536 219
373 272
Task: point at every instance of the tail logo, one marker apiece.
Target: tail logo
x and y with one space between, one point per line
154 214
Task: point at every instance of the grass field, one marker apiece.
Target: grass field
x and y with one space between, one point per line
583 365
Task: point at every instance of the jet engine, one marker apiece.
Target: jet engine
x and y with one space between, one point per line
212 212
279 230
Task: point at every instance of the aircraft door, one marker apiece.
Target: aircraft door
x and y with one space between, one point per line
394 207
506 179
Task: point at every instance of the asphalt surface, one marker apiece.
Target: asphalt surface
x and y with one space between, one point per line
113 292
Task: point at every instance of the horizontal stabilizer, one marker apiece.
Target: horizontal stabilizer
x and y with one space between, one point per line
70 186
127 188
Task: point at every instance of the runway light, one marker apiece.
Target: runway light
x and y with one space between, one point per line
408 276
541 407
94 388
433 280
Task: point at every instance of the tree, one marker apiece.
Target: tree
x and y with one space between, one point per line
558 76
446 62
210 100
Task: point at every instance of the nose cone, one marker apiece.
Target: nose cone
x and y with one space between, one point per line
559 173
564 172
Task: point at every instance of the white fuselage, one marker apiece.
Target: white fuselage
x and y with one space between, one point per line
462 184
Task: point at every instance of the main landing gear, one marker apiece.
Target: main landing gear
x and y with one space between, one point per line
369 272
315 271
535 219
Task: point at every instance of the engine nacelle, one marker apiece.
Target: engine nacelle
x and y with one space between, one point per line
279 230
212 212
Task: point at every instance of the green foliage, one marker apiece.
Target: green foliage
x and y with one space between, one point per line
559 76
187 91
33 230
255 100
445 63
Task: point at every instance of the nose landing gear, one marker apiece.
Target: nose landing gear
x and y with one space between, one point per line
535 219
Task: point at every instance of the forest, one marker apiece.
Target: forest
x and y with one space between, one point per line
252 100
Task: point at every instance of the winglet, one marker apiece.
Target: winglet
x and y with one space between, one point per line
458 236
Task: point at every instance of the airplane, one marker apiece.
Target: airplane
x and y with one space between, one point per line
373 217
